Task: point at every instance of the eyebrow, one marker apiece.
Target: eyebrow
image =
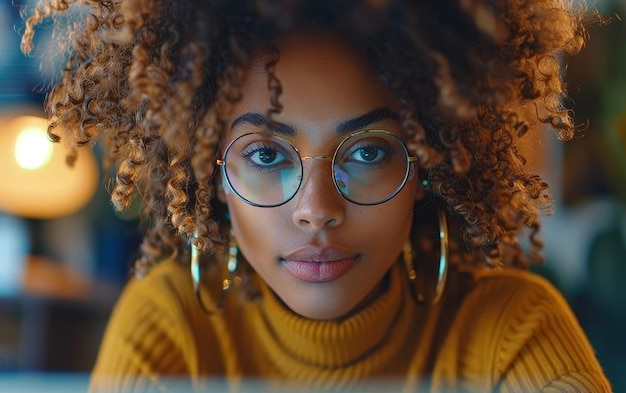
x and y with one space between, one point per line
351 125
257 119
365 120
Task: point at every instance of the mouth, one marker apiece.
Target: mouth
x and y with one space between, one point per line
319 264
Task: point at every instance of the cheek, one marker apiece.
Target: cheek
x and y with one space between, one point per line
387 226
396 221
401 210
242 220
254 227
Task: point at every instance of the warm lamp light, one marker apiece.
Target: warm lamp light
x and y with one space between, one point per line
33 150
35 181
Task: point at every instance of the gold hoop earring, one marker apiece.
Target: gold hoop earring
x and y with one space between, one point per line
196 274
417 288
232 279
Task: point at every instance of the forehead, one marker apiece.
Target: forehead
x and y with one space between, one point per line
324 80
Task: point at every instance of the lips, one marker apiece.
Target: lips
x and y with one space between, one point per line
319 264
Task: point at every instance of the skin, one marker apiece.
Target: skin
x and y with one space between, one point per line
325 83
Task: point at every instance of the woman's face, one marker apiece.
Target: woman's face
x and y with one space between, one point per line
321 254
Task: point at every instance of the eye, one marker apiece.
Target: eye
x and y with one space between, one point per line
266 156
367 152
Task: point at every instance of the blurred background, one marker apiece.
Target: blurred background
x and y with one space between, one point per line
65 254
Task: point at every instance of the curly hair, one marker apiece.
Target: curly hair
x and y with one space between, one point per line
153 79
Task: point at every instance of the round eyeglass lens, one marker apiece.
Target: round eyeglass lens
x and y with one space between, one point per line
370 167
263 170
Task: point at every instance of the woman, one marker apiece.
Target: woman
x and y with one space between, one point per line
344 182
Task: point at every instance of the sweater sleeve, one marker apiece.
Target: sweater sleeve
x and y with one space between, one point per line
516 333
154 336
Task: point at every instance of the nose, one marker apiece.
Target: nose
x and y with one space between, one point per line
318 204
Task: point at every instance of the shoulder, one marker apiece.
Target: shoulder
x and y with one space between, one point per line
162 303
513 282
154 302
168 279
514 329
154 326
163 299
513 299
501 313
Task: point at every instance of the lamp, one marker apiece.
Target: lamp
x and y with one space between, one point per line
35 181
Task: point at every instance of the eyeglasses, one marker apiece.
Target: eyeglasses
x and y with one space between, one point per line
368 168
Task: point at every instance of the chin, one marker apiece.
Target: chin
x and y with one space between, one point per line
323 308
322 314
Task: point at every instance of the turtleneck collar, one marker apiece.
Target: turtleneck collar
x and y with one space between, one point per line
356 347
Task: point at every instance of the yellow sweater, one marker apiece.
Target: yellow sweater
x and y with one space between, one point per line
505 331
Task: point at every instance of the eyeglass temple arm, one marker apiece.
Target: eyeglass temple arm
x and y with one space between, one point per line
412 159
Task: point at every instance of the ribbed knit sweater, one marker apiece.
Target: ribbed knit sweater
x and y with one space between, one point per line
504 331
